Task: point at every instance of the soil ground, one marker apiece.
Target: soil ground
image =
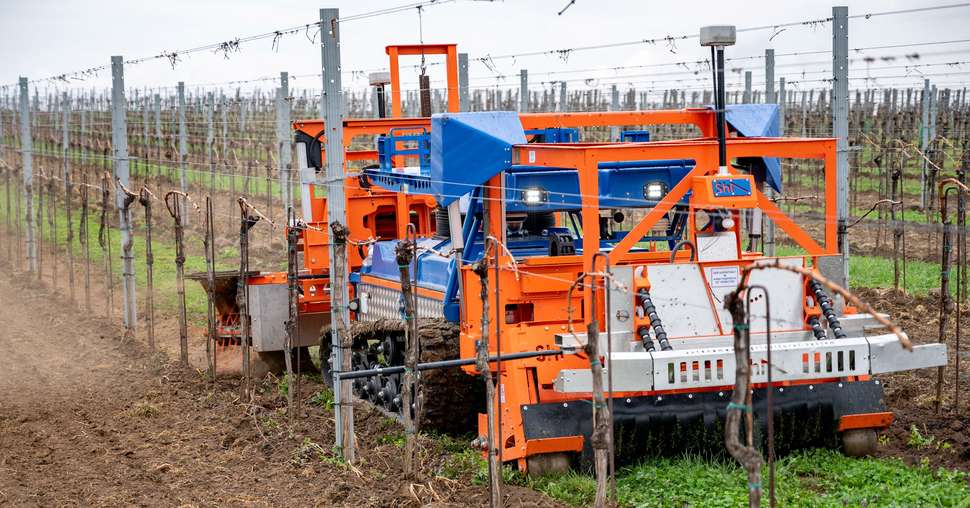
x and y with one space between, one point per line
87 418
912 395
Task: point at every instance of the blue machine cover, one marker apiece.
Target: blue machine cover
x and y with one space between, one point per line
469 148
433 271
758 120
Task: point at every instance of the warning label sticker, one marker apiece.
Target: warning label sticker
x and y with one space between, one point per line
724 276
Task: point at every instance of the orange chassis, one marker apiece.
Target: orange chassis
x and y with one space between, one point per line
543 282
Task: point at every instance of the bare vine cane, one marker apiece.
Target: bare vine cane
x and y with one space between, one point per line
947 305
480 268
740 405
85 241
246 222
404 255
208 244
126 247
145 197
104 241
292 284
175 206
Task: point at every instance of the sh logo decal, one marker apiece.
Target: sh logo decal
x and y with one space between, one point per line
731 187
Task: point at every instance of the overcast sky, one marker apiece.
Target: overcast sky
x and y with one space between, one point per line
40 38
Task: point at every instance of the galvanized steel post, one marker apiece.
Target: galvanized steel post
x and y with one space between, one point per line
284 149
68 186
746 98
924 139
770 77
332 109
524 91
763 222
158 137
119 145
210 142
769 224
183 151
840 128
26 151
614 106
463 104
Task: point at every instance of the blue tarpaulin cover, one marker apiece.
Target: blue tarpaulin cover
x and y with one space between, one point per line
469 148
758 120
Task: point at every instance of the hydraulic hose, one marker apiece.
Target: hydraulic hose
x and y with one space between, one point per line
649 310
816 328
682 243
644 333
826 305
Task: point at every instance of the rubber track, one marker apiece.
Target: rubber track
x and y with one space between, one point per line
450 399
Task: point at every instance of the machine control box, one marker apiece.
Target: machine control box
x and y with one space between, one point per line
724 191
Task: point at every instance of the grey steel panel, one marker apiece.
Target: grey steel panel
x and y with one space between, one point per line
678 293
714 366
889 356
622 301
623 340
858 324
268 313
717 247
785 296
631 372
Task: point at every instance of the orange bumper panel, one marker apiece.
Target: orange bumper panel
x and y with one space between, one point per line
554 445
865 421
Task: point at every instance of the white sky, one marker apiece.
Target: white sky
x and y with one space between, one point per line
40 38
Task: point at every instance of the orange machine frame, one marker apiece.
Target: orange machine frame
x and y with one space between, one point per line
543 282
361 202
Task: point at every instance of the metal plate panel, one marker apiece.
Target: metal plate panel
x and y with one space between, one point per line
622 300
678 292
269 312
785 296
717 247
631 372
812 359
792 361
715 366
889 356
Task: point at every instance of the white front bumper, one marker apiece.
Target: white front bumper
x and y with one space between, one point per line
713 366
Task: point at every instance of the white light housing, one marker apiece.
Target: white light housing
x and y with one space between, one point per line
653 191
718 35
533 196
728 223
379 78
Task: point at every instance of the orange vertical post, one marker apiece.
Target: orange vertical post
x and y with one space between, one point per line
831 203
392 52
452 70
589 194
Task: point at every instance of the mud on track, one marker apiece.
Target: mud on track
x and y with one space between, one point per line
87 419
